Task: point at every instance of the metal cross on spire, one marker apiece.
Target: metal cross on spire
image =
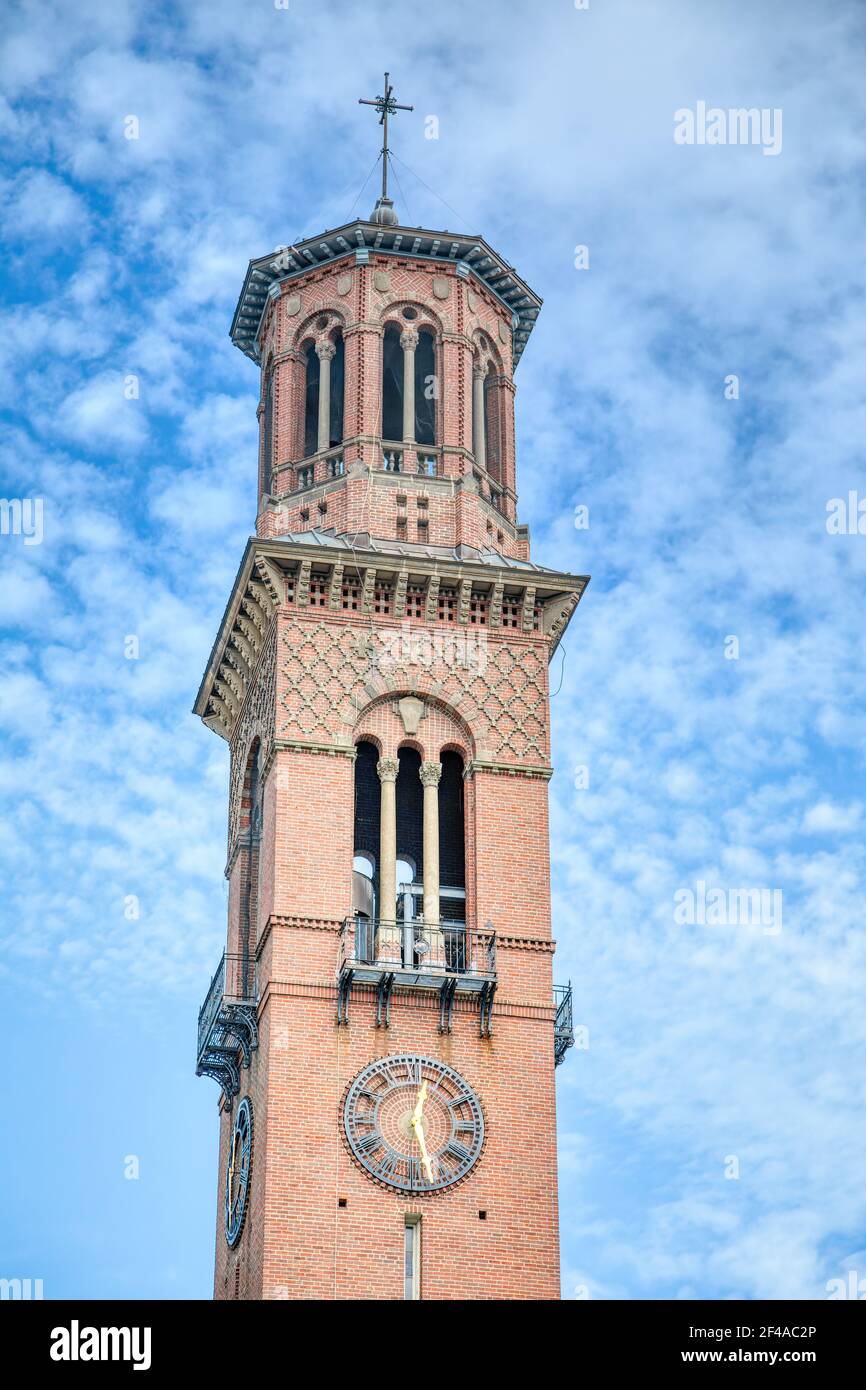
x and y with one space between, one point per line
386 106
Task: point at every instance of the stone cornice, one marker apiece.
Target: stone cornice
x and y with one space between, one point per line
541 770
259 593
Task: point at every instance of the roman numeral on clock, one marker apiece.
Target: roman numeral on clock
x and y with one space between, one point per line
369 1143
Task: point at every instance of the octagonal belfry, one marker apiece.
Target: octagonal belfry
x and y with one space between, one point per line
381 677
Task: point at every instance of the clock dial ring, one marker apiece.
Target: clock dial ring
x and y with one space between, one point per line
413 1123
238 1171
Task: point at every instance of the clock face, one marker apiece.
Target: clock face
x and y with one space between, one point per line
238 1171
413 1123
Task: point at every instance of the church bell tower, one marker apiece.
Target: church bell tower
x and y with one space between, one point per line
383 1025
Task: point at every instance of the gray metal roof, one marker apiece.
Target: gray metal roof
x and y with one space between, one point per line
471 254
406 549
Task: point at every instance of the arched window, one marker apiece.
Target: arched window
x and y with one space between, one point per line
410 811
491 424
311 400
392 384
366 849
367 802
268 434
249 875
337 376
426 388
452 853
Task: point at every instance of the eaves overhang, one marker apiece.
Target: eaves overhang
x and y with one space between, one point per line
473 256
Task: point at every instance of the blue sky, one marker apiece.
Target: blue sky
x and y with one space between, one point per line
707 1043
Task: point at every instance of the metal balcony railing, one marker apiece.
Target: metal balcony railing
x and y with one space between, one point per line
563 1028
227 1026
447 958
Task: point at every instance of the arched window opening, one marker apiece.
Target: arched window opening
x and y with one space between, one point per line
392 384
452 850
365 894
249 872
410 811
491 426
338 377
268 434
426 388
311 400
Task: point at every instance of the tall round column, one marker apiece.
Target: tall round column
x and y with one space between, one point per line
325 350
430 774
479 443
389 936
409 342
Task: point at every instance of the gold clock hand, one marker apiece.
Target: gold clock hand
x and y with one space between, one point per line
419 1104
425 1157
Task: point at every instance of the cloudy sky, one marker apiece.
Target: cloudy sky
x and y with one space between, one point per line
712 1126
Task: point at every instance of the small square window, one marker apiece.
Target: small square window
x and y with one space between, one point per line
510 613
447 606
351 597
415 601
318 593
478 610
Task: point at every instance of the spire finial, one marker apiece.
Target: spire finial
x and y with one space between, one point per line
386 105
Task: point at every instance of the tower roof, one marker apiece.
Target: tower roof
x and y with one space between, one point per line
472 255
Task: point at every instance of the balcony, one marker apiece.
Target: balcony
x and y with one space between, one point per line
563 1028
227 1025
447 959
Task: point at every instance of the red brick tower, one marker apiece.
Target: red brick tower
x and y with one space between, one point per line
384 1026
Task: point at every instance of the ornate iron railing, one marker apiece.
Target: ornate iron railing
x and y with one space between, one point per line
447 948
563 1028
227 1022
447 958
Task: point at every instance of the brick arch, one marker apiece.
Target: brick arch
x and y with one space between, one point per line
307 330
391 313
485 349
441 727
363 737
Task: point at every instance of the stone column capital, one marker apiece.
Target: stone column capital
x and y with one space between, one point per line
387 769
430 774
325 350
409 339
479 368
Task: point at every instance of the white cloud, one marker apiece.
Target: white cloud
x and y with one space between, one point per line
828 818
